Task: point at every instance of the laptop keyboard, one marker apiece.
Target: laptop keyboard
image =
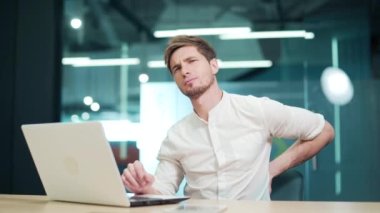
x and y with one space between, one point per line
140 198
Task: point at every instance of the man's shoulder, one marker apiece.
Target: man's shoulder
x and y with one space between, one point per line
183 122
245 98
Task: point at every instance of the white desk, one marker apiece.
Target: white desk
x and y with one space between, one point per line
32 204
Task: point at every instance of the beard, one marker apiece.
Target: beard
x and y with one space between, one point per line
196 92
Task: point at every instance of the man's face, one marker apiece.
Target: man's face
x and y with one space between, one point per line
192 72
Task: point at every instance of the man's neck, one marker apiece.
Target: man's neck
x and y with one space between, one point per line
208 100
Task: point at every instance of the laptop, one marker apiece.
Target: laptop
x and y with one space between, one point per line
76 164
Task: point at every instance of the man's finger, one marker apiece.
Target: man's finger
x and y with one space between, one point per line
148 178
139 169
130 180
131 169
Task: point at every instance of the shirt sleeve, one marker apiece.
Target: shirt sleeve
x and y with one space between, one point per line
169 173
291 122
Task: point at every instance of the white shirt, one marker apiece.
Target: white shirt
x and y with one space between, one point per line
228 156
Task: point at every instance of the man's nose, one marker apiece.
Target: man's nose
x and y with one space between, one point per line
185 69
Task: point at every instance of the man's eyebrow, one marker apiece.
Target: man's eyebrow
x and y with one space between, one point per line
175 66
186 59
190 58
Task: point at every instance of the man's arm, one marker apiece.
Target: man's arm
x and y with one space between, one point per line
301 151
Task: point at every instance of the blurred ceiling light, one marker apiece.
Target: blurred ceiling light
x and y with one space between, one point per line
95 106
269 34
88 62
224 64
337 86
85 116
73 60
201 31
88 100
156 64
76 23
143 78
309 35
75 118
244 64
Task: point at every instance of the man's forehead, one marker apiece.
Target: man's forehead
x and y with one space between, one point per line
186 50
184 53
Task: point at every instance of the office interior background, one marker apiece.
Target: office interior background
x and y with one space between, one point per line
86 60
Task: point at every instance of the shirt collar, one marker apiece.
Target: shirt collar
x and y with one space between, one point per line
216 108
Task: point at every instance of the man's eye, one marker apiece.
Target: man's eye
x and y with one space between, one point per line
174 70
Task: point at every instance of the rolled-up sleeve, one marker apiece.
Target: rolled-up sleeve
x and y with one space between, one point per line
291 122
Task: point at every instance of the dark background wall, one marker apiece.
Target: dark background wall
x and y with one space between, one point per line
30 56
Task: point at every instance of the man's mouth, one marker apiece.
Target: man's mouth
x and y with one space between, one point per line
189 81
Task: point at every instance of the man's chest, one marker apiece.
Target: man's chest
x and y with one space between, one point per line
211 150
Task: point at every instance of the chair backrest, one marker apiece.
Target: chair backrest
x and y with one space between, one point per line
288 186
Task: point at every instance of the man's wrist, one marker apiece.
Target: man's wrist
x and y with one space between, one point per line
274 169
152 191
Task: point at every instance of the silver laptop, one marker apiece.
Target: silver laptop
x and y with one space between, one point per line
75 163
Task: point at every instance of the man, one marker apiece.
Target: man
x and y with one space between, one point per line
223 147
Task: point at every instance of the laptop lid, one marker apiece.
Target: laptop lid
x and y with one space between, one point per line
75 163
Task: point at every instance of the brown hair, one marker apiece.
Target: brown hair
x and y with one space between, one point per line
181 41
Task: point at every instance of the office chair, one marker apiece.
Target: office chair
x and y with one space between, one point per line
288 186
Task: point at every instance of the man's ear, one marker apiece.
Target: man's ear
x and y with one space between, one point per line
214 66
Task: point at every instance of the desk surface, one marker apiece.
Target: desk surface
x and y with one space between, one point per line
32 203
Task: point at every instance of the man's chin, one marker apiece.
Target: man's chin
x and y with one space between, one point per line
193 94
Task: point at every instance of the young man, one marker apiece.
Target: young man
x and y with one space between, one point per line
223 147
